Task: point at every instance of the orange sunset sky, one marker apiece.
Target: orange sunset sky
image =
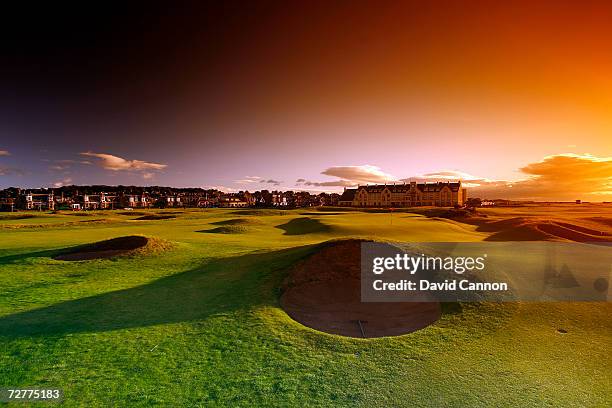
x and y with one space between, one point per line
514 98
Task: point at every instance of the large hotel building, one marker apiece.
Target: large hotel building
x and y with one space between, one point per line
440 194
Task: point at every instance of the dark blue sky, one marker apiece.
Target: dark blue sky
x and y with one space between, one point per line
262 94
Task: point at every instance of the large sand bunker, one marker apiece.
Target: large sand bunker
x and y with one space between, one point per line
105 249
324 292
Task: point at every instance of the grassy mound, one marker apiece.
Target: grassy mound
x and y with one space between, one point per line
538 229
133 213
16 216
227 229
449 213
260 212
607 221
573 232
304 225
152 217
232 226
237 221
523 232
128 245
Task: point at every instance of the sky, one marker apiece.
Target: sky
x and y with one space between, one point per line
514 99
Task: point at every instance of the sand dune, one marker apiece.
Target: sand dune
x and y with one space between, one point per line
550 223
542 229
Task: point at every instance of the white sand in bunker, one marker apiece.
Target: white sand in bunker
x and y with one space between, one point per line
324 292
105 249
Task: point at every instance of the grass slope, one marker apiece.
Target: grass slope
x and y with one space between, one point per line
199 323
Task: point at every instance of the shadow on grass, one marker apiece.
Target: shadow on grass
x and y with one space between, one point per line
130 242
302 226
221 285
50 253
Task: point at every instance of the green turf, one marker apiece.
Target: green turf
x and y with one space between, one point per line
199 324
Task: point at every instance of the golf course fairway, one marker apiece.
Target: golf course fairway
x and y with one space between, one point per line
193 318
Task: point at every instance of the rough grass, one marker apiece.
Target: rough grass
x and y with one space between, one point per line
56 224
200 325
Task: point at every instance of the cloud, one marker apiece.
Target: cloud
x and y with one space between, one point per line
116 163
335 183
566 176
11 171
58 167
61 165
467 179
350 176
248 180
449 175
224 189
64 182
271 181
257 179
559 177
359 174
148 175
4 153
65 164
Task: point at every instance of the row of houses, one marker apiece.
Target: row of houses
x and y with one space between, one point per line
443 194
50 201
90 198
282 199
